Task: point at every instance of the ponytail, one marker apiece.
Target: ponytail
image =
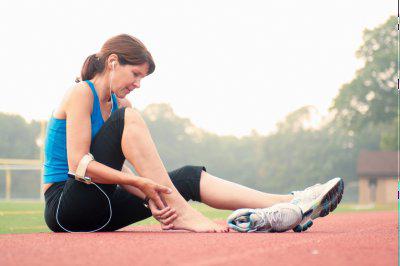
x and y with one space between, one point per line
91 67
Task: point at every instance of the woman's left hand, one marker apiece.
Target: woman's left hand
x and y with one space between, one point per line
165 216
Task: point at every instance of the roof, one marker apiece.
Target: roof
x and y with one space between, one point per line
377 164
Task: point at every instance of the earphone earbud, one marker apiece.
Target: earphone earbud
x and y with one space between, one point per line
113 64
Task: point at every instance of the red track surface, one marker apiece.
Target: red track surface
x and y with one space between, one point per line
342 239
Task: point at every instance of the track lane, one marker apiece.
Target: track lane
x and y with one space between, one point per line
364 238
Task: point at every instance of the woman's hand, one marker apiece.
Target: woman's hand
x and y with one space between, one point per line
165 216
154 191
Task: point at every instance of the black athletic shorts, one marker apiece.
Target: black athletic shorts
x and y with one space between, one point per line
85 208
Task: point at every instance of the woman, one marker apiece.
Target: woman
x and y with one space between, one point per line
95 117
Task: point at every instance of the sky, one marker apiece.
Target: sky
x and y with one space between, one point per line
228 66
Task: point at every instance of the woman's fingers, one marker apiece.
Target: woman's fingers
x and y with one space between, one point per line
157 201
159 213
164 189
153 207
169 220
153 191
167 214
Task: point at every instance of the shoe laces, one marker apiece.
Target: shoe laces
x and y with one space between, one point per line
268 216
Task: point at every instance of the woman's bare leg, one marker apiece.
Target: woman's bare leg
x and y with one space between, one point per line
223 194
139 149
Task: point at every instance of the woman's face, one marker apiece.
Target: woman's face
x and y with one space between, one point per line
126 78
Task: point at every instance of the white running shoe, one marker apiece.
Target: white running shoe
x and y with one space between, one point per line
317 201
278 218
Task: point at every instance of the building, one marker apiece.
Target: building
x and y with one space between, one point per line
377 172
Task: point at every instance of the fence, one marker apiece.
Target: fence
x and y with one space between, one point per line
29 173
9 165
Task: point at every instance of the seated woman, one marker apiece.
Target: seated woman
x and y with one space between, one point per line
95 129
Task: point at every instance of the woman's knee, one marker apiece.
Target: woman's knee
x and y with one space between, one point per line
187 180
133 116
106 145
192 171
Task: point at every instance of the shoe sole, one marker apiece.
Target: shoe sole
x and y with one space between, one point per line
323 205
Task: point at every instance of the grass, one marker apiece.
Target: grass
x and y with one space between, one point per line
27 217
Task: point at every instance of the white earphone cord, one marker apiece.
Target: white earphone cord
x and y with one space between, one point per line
58 205
109 219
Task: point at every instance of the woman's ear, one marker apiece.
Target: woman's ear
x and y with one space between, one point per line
112 61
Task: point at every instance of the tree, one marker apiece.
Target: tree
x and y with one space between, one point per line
371 97
18 138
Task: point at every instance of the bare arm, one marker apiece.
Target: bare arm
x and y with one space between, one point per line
131 189
78 109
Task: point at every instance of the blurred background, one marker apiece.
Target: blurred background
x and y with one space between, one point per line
273 95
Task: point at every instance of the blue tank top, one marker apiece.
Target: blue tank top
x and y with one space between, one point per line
55 151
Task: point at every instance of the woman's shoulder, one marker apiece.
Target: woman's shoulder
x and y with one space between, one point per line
79 91
81 88
77 94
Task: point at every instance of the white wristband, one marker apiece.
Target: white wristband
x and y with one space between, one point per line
81 170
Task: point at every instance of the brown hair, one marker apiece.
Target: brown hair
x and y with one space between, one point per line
130 51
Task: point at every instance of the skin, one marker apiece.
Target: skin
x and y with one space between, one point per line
166 204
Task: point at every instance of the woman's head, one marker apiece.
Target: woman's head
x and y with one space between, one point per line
125 58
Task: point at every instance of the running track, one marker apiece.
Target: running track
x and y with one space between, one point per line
365 238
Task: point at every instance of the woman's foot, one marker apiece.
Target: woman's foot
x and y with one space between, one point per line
318 201
192 220
278 218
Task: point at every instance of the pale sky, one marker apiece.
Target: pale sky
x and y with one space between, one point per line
229 66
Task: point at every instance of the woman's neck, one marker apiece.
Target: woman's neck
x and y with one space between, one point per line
102 86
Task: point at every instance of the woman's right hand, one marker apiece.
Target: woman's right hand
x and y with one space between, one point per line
165 216
154 191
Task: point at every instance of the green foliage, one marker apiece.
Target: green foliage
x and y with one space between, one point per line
292 158
295 121
389 138
179 142
371 97
18 138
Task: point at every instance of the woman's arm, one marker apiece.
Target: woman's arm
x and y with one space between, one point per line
131 189
78 108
